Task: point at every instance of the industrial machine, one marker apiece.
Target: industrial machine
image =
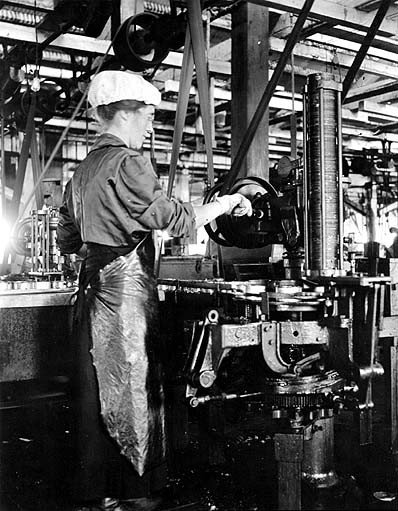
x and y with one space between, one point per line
35 307
35 238
309 327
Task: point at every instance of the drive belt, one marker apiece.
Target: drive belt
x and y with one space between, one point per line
194 53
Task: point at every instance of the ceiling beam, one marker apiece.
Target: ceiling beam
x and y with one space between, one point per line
337 12
83 45
371 107
281 100
314 52
80 44
41 5
371 91
344 34
307 55
312 56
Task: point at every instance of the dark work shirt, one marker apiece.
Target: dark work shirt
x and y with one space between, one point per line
114 198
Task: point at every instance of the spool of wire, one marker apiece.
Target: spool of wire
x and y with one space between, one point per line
323 174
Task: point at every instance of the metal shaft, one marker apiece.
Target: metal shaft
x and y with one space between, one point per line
323 174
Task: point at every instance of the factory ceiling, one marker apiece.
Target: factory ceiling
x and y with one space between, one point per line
329 42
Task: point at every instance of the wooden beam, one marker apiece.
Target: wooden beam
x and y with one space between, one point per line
310 56
371 91
344 34
314 52
371 107
40 5
279 101
83 45
248 81
332 11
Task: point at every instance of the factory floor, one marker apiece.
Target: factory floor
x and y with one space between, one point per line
36 455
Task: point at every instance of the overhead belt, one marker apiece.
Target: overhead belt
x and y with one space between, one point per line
194 52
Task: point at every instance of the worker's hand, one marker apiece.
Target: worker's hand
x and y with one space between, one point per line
235 204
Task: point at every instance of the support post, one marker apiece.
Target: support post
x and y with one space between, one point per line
265 99
249 77
289 452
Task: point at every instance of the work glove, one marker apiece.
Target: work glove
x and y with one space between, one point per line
235 204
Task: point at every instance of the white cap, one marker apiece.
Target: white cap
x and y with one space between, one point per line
110 86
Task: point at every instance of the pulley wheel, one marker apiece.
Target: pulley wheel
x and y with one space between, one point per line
261 229
135 46
53 98
212 228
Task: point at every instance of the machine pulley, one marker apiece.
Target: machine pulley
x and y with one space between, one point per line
273 220
144 40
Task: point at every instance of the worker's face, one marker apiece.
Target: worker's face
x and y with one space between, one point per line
139 125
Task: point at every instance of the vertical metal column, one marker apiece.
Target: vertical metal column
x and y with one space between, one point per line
305 181
322 180
318 461
340 179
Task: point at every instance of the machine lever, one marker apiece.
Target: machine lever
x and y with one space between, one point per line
196 401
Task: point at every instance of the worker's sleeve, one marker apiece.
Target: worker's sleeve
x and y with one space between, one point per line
68 235
138 188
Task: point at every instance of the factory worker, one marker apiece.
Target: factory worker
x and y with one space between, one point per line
111 206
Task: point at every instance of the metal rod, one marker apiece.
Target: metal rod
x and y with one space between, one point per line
34 153
363 50
195 401
266 98
32 242
351 294
322 170
373 341
293 117
305 182
46 235
373 326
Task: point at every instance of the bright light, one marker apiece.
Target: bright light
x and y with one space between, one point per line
165 236
5 232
